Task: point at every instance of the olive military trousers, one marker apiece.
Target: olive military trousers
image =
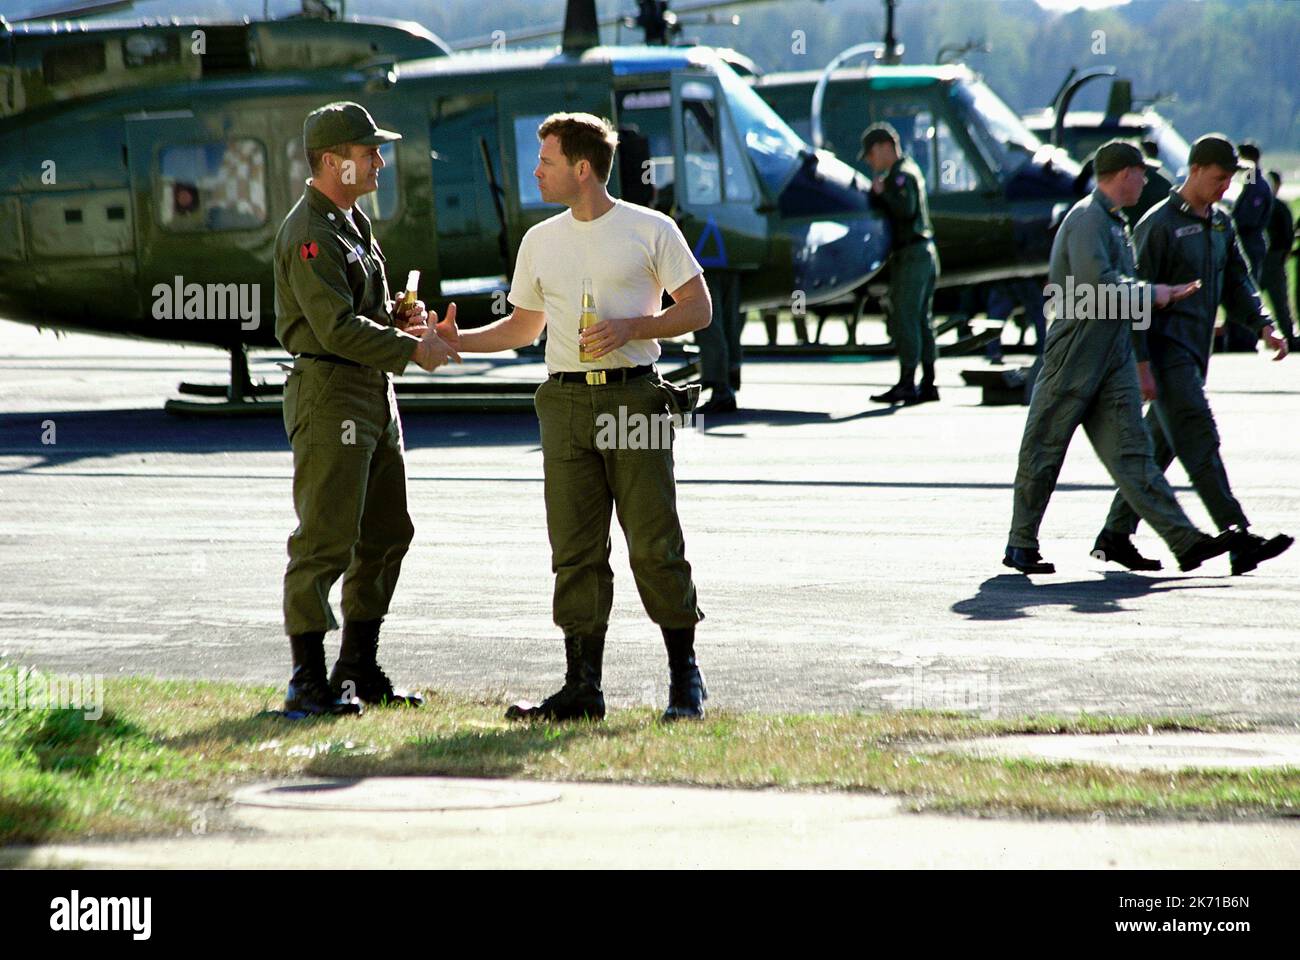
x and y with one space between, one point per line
349 491
719 342
913 271
1181 425
607 448
1110 412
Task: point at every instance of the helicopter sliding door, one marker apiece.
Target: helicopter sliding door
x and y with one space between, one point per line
196 191
712 187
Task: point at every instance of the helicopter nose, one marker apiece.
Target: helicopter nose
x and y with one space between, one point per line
834 257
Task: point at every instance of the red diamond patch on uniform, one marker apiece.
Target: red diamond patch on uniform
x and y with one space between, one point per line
308 251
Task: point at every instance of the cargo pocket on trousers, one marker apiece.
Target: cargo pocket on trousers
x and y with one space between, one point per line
554 420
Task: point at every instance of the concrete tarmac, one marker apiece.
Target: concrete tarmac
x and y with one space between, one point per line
847 555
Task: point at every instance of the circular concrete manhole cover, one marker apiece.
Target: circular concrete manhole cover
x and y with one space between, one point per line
395 794
1161 751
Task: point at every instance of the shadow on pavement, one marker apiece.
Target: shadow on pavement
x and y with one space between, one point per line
1009 596
81 434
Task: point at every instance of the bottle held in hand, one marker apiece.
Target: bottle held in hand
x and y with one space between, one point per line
587 318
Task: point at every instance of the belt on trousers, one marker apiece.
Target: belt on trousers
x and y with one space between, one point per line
598 377
329 358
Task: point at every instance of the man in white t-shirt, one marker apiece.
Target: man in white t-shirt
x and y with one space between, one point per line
603 410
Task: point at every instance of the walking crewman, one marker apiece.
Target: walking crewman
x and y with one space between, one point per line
1088 376
349 476
1186 237
623 257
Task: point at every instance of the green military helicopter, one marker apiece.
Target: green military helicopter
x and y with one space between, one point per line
1081 132
145 168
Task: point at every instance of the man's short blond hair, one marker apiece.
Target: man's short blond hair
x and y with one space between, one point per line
583 136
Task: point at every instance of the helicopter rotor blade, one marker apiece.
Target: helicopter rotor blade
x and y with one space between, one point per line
65 9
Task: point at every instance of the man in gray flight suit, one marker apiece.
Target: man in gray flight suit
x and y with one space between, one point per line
349 476
1183 238
1088 376
913 263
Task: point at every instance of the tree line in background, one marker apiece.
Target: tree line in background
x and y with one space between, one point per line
1233 65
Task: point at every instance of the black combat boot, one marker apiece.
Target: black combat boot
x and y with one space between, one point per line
308 694
580 698
1207 548
1112 547
1027 560
721 400
1250 550
686 691
359 673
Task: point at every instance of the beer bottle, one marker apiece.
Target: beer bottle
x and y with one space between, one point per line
588 317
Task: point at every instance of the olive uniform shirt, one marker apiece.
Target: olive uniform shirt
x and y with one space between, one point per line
903 194
331 294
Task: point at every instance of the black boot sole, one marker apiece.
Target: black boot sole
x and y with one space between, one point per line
526 711
1249 560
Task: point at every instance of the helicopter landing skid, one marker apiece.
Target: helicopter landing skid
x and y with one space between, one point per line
425 395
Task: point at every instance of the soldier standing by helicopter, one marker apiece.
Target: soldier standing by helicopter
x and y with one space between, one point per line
913 264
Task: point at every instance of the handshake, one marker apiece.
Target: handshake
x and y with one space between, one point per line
439 340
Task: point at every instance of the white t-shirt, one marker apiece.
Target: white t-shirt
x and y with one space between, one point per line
632 254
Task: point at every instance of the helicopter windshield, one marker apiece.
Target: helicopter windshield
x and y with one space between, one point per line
1006 142
773 147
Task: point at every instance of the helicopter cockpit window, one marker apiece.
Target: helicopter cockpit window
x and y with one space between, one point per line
212 186
956 174
703 174
148 49
380 205
773 147
648 113
1002 136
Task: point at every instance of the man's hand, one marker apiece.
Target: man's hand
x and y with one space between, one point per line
406 316
1277 344
1167 294
605 337
447 329
432 351
1147 380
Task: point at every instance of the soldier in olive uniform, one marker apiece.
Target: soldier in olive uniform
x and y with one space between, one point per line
349 476
599 382
913 264
1088 376
1183 238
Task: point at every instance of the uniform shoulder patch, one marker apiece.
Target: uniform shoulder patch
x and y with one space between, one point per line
900 180
309 250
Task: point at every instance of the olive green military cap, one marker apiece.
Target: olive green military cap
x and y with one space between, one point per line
1116 155
343 122
1216 149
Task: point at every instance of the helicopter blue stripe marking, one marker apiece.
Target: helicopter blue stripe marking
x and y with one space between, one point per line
711 230
623 68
